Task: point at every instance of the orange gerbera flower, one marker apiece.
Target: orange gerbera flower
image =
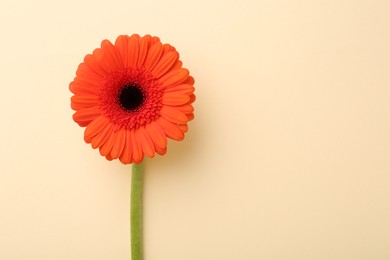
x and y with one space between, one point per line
131 96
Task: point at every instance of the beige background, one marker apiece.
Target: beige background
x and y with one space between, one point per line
288 157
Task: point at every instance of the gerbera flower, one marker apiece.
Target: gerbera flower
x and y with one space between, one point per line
131 96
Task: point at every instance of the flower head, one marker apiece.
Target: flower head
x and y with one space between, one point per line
131 96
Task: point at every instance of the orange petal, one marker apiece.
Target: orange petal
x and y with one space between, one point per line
170 129
106 148
111 59
95 127
189 81
93 65
137 148
165 63
87 84
177 65
85 116
155 39
174 77
83 70
186 109
84 86
144 44
101 137
121 43
98 54
183 88
175 99
157 134
146 142
153 56
161 151
183 128
125 158
134 49
168 48
80 102
192 98
79 89
173 115
119 145
190 116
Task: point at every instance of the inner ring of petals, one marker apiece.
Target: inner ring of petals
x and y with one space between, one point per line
130 98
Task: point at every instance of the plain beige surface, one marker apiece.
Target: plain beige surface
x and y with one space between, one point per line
288 157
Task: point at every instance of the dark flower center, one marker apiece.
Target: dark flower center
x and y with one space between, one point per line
131 97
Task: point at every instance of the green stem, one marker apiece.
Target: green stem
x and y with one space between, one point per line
136 212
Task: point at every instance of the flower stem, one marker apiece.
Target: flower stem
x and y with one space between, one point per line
136 212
